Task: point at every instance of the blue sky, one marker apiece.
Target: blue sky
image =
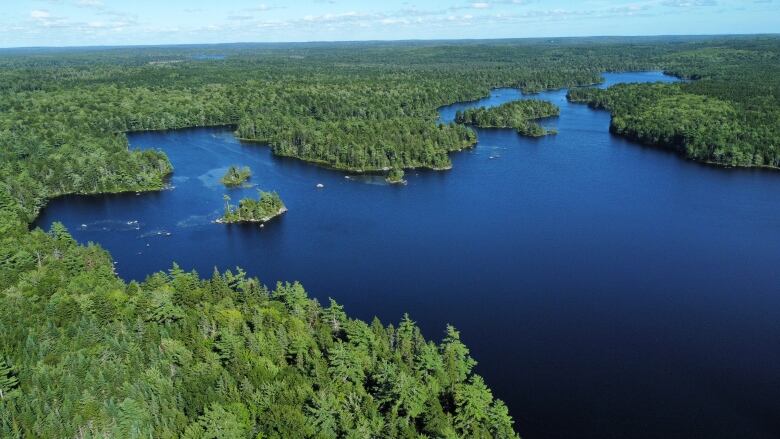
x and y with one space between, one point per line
121 22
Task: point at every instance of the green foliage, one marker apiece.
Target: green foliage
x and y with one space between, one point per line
9 383
218 423
236 176
396 175
515 114
730 115
95 357
268 206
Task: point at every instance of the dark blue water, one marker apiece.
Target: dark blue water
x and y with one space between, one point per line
608 290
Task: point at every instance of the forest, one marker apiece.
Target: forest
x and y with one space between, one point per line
85 354
699 127
222 357
518 115
728 113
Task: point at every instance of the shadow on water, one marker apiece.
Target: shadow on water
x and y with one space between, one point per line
608 290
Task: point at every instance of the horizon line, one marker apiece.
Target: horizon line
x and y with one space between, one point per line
379 40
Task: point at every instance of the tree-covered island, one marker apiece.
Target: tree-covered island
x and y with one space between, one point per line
516 114
236 176
266 207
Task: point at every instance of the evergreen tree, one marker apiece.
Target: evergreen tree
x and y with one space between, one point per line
9 383
457 362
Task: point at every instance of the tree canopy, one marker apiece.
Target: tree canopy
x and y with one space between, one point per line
267 206
516 114
223 357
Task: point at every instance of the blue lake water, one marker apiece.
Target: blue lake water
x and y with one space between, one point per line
608 290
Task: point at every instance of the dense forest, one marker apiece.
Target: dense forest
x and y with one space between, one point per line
267 206
728 113
84 354
518 115
700 127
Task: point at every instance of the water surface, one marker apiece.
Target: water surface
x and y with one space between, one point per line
608 290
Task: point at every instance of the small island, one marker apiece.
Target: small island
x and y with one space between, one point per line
236 176
267 207
517 114
395 176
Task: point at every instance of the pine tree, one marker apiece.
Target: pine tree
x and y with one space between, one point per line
500 422
344 366
61 234
323 414
408 337
457 362
9 383
472 403
335 318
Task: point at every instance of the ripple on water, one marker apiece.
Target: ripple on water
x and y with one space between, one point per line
111 225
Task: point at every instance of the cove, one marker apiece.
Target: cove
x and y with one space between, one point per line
608 290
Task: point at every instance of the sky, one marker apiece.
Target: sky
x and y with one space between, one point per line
25 23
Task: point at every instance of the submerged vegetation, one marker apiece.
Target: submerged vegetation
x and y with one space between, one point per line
236 176
516 114
267 206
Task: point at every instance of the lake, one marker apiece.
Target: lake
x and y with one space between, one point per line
607 290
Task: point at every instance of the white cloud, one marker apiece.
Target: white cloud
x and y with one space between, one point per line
689 3
39 14
90 3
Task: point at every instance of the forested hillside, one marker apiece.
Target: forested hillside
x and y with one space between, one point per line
83 354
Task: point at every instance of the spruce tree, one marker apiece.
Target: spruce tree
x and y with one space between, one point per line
9 384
